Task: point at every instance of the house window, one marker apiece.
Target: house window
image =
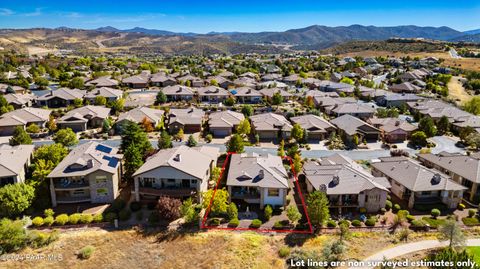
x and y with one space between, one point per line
101 179
102 192
273 192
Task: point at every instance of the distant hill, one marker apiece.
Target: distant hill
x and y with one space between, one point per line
472 32
474 38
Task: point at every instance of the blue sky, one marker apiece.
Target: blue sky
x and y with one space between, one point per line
246 16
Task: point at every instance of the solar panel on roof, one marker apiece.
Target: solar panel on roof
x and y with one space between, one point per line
103 148
112 161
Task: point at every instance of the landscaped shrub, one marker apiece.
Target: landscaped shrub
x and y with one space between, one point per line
461 206
388 205
61 219
169 208
124 214
396 207
110 216
39 239
284 252
410 218
153 218
433 222
268 212
471 212
331 224
389 198
470 221
371 221
417 223
48 220
139 215
48 212
98 218
74 218
215 222
435 213
37 221
232 211
135 206
86 218
383 210
278 225
344 221
233 223
86 252
256 223
356 223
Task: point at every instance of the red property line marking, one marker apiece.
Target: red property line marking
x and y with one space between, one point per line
310 231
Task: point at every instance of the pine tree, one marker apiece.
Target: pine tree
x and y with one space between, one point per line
20 137
164 141
191 141
133 159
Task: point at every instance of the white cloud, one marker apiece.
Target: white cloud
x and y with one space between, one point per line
6 12
37 12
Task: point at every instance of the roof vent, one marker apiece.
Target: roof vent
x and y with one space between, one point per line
177 158
436 179
322 188
397 123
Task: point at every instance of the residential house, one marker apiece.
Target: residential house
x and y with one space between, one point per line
23 117
257 179
61 97
212 94
363 111
270 92
221 81
405 87
338 87
14 163
110 94
270 126
245 82
138 81
138 114
178 93
188 119
394 130
83 118
192 80
317 128
463 169
348 186
162 80
19 100
179 172
102 82
90 173
246 95
349 126
418 185
397 99
224 123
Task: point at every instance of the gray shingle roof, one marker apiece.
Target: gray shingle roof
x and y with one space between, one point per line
13 159
85 113
270 121
313 123
351 124
253 170
462 165
139 113
226 118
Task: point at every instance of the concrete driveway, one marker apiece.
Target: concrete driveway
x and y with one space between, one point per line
446 143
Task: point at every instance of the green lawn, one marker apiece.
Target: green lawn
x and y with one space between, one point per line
434 223
475 251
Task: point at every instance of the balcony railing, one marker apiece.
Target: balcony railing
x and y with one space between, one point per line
72 199
173 192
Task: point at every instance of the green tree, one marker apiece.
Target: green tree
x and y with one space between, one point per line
41 171
41 82
15 198
133 159
20 137
347 80
106 125
232 211
317 207
443 125
191 142
187 211
293 215
419 138
281 149
161 98
230 101
13 235
268 211
165 140
77 102
244 128
66 137
427 125
100 100
219 203
235 144
53 152
76 83
465 132
452 232
132 133
297 163
277 98
118 105
247 110
297 132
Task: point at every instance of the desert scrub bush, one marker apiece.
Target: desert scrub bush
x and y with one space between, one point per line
331 224
268 211
37 239
284 252
74 218
388 205
86 252
61 219
256 223
48 220
98 218
410 218
417 223
37 221
344 222
370 222
471 212
48 212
